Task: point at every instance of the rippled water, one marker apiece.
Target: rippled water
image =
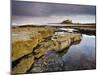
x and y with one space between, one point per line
82 55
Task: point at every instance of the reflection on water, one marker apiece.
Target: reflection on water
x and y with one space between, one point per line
81 56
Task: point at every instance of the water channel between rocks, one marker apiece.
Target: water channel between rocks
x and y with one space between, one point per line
82 55
78 56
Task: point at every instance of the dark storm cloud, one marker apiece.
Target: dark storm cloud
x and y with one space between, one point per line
47 9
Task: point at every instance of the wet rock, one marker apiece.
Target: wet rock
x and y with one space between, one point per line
24 65
57 43
65 40
44 48
61 42
51 61
40 52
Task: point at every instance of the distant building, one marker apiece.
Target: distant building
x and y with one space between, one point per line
67 22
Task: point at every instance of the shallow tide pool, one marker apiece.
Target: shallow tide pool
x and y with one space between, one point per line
81 56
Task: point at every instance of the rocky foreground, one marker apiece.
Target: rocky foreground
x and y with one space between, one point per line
36 49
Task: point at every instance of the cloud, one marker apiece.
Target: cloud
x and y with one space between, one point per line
48 9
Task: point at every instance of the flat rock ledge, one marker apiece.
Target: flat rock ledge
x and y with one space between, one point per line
35 51
57 43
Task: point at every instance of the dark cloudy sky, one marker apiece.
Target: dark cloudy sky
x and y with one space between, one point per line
36 11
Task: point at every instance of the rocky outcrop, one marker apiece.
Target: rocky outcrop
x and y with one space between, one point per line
37 50
51 61
24 65
22 45
57 43
25 40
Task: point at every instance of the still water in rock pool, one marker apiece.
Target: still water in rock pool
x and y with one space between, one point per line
78 55
81 56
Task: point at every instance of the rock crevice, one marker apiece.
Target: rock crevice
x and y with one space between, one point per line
43 48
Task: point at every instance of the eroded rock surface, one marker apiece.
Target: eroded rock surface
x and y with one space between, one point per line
51 61
57 43
43 45
24 65
24 39
22 44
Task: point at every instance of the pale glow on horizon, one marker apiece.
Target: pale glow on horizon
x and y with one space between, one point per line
52 19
